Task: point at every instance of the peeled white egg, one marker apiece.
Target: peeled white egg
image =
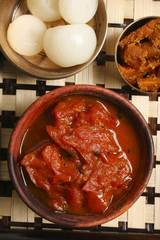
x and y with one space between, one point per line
70 45
25 35
78 11
46 10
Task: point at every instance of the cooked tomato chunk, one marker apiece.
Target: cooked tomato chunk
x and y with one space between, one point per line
98 201
75 196
58 202
107 176
38 171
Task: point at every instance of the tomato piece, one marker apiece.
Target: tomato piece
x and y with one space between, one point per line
47 155
66 111
64 169
98 201
58 203
98 115
32 160
108 176
75 196
89 141
42 178
57 135
38 171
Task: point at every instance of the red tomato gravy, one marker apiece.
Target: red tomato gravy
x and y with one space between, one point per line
81 155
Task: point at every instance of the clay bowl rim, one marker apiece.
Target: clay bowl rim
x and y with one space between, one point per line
133 25
17 138
40 72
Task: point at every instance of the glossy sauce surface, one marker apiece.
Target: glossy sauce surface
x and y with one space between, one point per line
81 155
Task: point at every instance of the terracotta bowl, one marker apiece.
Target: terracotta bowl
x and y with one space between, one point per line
118 55
128 199
39 65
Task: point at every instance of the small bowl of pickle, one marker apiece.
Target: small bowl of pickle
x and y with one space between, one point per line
137 55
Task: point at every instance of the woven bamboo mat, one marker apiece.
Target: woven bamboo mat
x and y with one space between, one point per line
18 91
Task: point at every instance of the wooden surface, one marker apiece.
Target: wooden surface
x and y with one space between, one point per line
18 91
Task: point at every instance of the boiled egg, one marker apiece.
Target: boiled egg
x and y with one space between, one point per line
70 45
25 35
77 11
46 10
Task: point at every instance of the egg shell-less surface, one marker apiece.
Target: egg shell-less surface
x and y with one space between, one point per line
70 45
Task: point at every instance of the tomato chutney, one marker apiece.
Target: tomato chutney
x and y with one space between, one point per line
81 155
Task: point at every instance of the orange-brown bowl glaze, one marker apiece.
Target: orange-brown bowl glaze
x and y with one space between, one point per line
137 55
39 65
142 172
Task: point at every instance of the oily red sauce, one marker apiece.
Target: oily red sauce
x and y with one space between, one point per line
83 155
